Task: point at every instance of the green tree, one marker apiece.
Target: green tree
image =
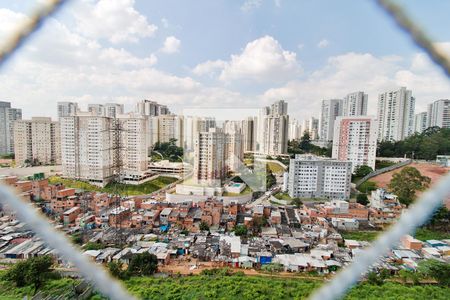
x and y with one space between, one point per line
116 270
204 226
297 202
240 230
305 142
407 182
438 270
362 199
34 271
362 171
142 264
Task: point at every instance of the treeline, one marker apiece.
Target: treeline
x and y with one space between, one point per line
305 146
426 145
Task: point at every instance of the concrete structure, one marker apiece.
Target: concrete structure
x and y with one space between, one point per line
312 127
94 148
272 129
248 127
233 145
443 160
209 157
168 127
295 130
192 126
355 104
110 110
37 140
330 110
133 147
8 116
395 115
420 122
355 140
66 109
439 113
315 177
151 108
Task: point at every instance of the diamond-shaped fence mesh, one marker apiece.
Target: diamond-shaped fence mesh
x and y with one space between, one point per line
415 216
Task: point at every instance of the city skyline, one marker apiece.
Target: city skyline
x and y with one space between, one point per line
162 55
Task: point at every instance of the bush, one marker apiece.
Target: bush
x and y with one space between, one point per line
240 230
35 271
362 199
367 187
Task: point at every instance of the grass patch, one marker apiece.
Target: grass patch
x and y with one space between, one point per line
367 187
359 235
246 191
380 164
123 189
274 167
234 286
424 234
282 196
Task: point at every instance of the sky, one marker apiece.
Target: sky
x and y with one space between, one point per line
219 54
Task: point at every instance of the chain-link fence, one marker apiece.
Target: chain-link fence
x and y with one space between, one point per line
415 216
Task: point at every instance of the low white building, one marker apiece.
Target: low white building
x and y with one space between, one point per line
345 223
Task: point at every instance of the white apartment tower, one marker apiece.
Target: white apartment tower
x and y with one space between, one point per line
110 110
133 147
420 122
192 126
330 110
151 108
98 149
37 140
273 126
209 157
87 147
355 140
316 177
295 130
355 104
439 113
248 127
8 116
66 109
395 115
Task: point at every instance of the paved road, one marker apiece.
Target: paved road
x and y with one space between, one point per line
48 170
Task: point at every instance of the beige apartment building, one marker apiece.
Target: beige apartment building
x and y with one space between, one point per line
37 141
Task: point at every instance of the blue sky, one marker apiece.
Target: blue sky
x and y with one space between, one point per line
220 53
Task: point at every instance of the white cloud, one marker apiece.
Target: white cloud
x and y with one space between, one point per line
171 45
165 22
277 3
261 60
323 44
115 20
209 67
250 5
351 72
300 46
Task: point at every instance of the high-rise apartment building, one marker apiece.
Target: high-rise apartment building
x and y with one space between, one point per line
355 104
311 126
37 141
439 113
133 147
355 140
330 110
233 144
110 110
170 127
192 126
98 149
395 115
209 157
420 122
295 130
273 126
315 177
66 109
8 116
151 108
248 127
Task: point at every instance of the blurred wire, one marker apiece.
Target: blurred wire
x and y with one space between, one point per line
419 37
415 216
28 214
31 25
